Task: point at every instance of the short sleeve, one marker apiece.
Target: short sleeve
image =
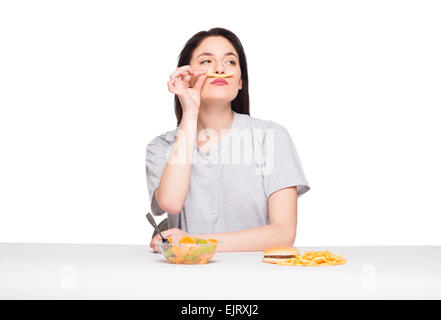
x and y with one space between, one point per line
282 163
156 160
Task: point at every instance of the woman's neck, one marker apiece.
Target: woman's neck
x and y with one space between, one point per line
215 118
215 121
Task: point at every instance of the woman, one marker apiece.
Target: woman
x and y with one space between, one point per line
197 172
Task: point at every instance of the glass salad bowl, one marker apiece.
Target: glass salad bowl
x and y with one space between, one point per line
189 250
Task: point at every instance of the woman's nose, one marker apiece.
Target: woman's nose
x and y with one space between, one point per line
219 69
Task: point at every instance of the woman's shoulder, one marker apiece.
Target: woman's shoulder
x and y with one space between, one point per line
262 131
165 139
259 123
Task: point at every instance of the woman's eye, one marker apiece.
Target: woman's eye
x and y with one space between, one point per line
232 62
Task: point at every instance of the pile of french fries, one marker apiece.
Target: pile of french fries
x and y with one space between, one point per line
315 259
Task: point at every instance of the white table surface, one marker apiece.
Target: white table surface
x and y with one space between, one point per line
87 271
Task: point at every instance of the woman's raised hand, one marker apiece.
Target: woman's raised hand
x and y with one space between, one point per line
186 83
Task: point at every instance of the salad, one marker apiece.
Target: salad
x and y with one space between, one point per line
189 250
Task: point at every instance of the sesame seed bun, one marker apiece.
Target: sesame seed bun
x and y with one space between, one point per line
281 251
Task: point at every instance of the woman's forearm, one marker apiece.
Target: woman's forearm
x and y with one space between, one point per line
175 179
255 239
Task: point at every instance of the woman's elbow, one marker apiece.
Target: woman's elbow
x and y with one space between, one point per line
288 238
171 208
169 204
291 237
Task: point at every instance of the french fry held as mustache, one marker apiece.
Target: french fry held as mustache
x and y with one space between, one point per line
214 75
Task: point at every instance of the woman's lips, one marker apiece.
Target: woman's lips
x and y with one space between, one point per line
219 82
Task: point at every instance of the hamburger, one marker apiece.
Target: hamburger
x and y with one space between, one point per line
278 254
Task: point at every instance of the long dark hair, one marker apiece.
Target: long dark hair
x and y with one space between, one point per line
241 104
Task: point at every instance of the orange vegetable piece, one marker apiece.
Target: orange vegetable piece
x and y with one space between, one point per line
179 260
176 251
187 239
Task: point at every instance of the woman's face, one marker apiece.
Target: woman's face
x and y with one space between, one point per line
217 55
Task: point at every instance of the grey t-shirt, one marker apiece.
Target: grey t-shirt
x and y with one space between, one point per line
230 183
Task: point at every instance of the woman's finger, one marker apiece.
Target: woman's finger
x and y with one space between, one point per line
179 72
179 79
187 67
174 75
185 74
167 233
186 70
153 241
170 233
155 248
157 239
200 82
171 85
191 78
185 77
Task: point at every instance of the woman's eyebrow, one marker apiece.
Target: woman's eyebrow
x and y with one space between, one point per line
210 54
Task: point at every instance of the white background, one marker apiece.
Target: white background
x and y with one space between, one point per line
83 89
